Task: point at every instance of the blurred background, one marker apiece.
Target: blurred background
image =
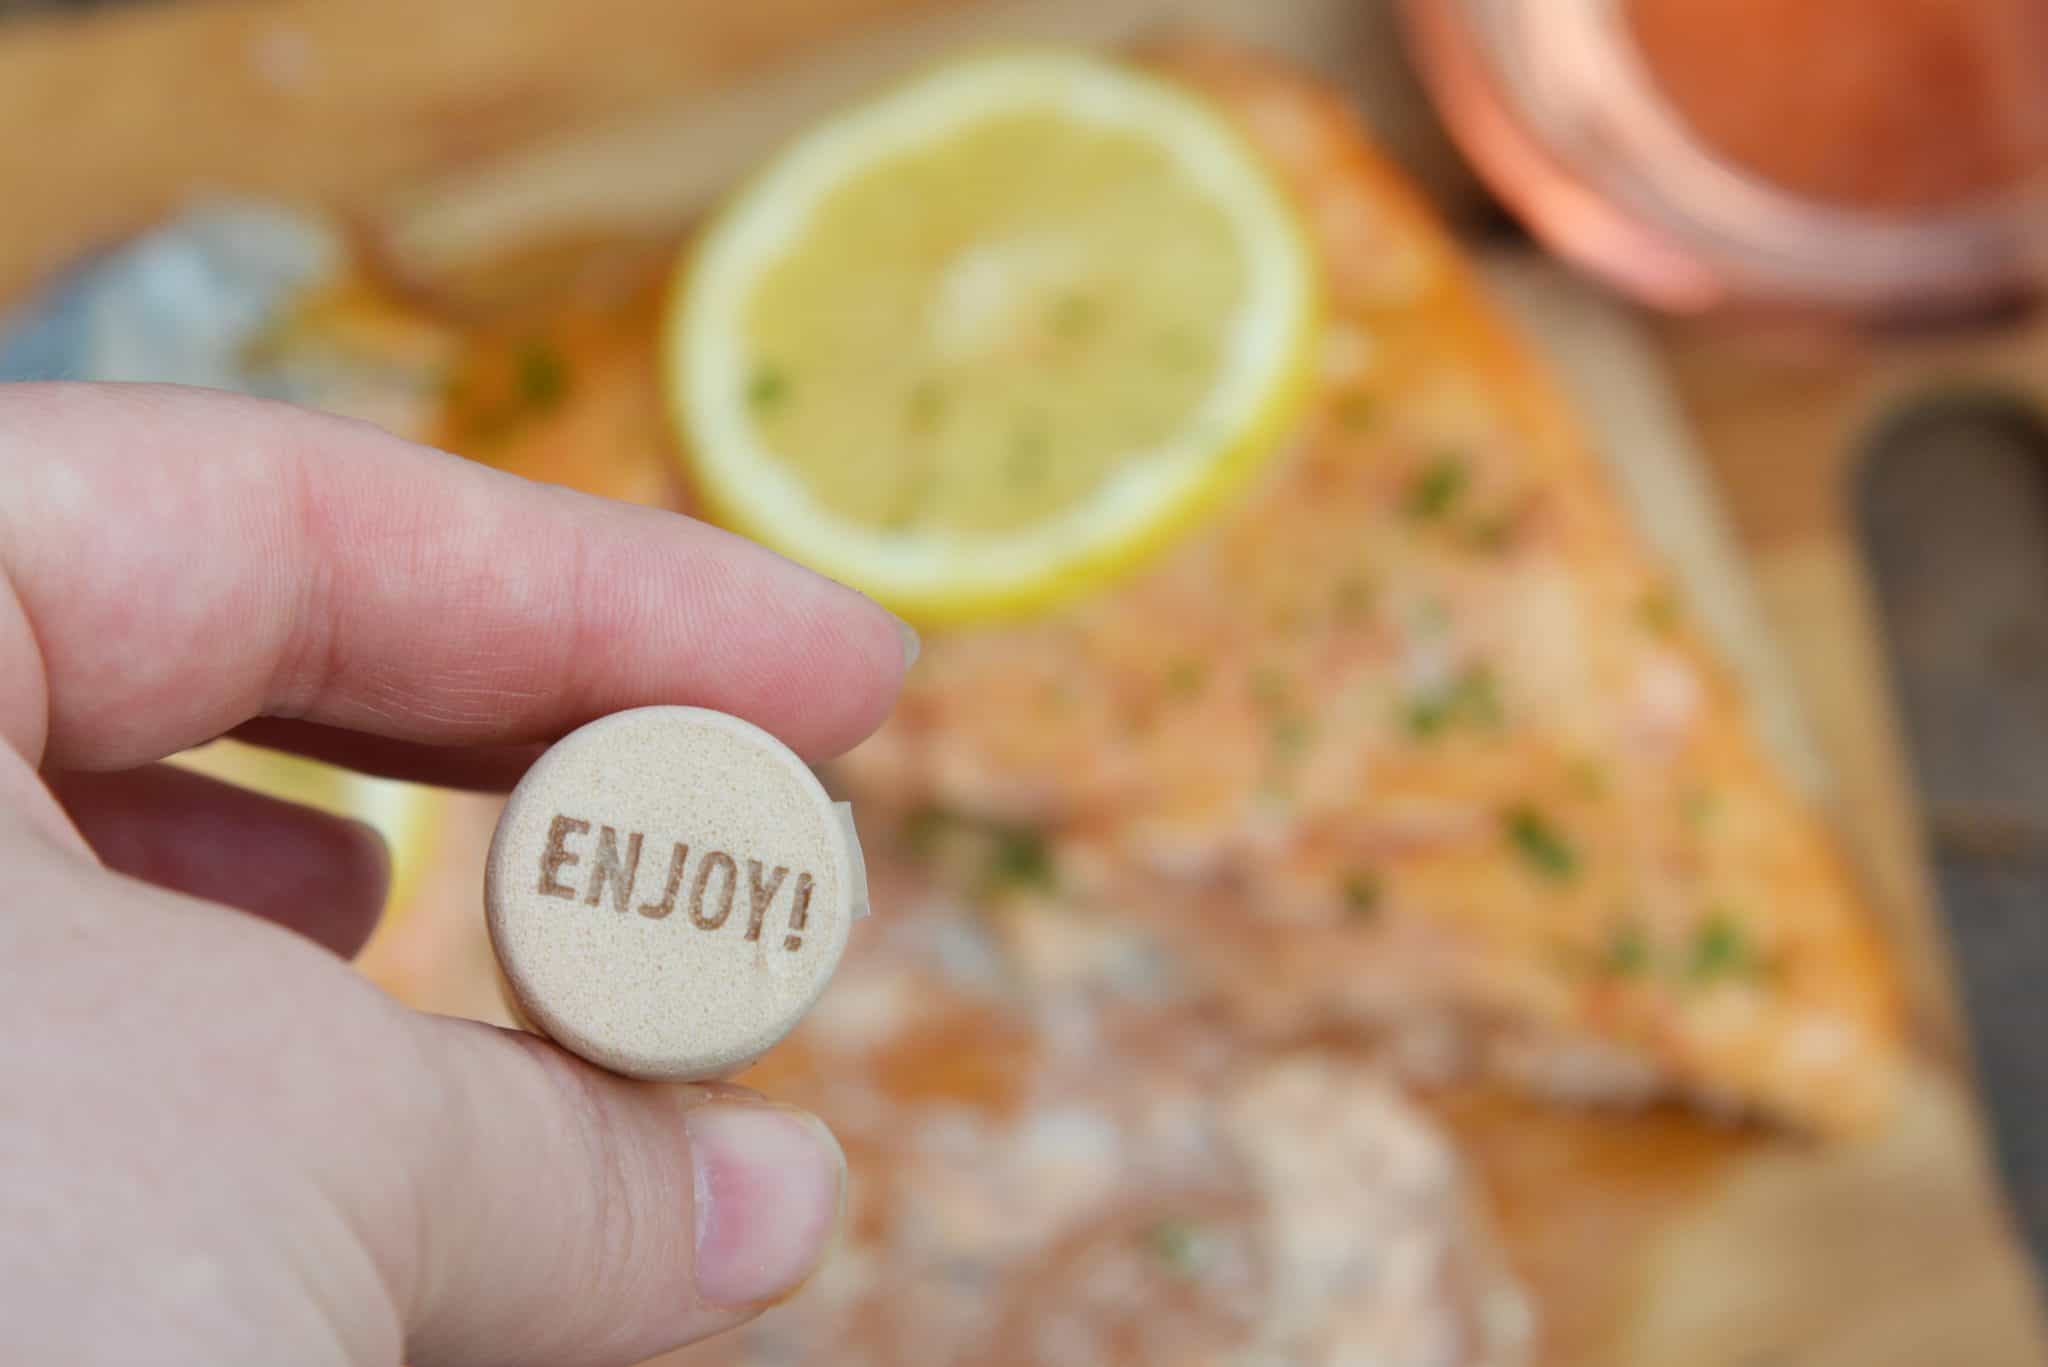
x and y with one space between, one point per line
1785 258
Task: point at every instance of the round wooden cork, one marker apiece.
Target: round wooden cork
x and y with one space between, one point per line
669 891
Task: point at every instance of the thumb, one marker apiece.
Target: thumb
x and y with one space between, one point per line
568 1216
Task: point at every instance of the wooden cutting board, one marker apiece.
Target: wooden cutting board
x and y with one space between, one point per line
1648 1239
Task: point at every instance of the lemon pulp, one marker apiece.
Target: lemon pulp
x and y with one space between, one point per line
989 338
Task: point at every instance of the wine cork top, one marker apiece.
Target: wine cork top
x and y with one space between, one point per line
669 891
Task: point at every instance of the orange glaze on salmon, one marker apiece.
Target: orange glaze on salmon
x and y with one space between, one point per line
1419 726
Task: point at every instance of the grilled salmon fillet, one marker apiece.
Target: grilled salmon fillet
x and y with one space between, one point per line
1418 729
1416 736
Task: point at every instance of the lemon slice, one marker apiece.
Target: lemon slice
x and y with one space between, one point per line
401 812
984 341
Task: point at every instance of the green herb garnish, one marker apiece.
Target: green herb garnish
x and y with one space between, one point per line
1362 893
1477 697
1540 844
1496 533
1019 858
1178 1244
1432 493
1628 951
1472 697
1008 856
1185 678
1425 718
1720 949
543 378
1291 734
924 828
767 390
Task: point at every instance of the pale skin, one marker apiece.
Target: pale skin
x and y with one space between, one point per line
220 1144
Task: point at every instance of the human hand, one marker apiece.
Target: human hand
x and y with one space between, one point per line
222 1145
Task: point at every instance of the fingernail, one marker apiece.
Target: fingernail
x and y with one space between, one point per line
911 644
767 1199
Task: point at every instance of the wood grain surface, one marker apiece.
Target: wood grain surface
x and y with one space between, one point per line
115 115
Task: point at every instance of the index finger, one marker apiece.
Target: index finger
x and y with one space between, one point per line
181 562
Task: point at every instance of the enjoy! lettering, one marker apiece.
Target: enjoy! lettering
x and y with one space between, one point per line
707 892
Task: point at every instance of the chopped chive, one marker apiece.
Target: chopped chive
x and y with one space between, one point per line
1184 678
543 378
1720 949
1589 777
1432 493
1699 807
1628 951
1010 856
1290 736
1425 718
1362 893
1020 858
1540 844
1178 1244
1472 697
1477 697
767 390
924 828
1495 533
